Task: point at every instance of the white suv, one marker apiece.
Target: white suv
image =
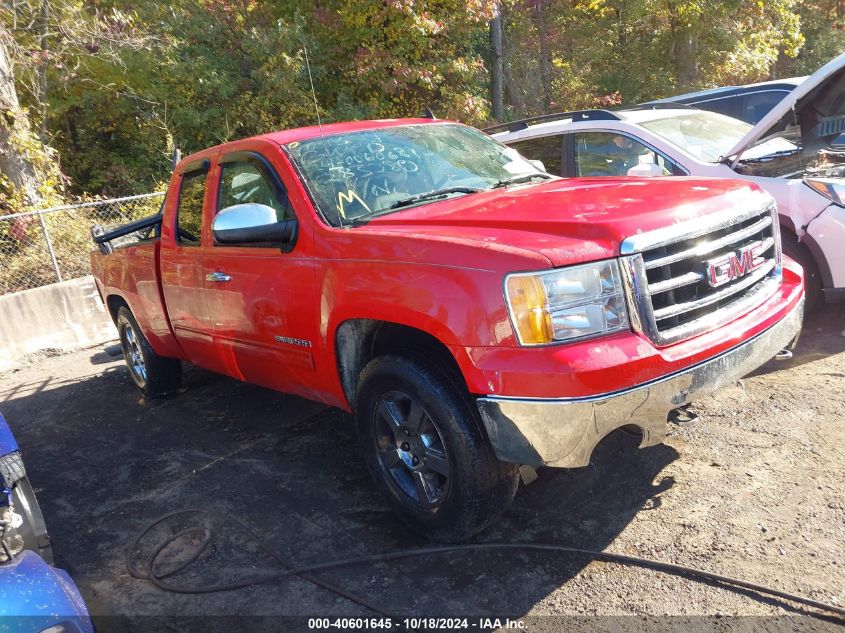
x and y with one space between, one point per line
796 153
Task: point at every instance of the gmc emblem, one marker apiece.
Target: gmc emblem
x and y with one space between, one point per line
726 268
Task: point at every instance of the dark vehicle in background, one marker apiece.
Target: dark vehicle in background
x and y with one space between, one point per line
35 597
749 103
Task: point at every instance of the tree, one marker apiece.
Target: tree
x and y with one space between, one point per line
117 84
497 72
20 151
823 29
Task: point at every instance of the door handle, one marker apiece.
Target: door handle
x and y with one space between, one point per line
218 276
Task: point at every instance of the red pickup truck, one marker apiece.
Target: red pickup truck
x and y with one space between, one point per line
473 312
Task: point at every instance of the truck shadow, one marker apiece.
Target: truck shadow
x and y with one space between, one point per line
105 462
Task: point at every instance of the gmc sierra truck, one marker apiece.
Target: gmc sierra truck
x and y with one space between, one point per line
474 313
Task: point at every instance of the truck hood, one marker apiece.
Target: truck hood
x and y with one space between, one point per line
570 220
818 105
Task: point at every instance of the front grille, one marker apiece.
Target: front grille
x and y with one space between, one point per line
693 277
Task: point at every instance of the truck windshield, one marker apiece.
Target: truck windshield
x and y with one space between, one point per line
358 175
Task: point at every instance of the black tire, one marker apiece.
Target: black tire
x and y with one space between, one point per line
812 278
426 448
153 374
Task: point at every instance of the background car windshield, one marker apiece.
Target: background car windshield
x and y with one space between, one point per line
709 136
360 174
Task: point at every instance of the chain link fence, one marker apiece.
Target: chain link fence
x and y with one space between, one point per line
51 245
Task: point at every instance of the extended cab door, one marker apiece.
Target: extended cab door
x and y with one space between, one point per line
260 298
181 261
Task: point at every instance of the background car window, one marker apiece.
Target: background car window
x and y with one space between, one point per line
189 210
613 154
246 182
547 149
757 105
729 105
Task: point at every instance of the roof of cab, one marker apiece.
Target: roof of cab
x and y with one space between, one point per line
283 137
304 133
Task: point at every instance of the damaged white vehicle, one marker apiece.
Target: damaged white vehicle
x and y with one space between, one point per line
796 152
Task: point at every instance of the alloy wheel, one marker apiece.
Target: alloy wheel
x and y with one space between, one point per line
132 351
411 448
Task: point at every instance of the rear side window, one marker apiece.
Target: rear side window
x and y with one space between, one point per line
757 105
548 149
247 181
729 106
189 211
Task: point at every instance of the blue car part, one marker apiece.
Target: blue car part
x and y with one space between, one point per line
21 526
8 446
35 597
7 440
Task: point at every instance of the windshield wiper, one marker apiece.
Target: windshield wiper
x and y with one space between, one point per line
432 195
519 179
768 157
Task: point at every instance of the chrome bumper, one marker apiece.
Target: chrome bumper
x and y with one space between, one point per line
564 432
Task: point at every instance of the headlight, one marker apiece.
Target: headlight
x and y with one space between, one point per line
567 303
831 188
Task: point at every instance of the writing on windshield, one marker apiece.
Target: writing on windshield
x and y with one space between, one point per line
362 174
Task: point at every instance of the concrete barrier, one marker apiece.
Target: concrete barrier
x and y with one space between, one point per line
59 317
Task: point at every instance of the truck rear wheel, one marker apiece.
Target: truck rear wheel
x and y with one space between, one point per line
426 448
155 375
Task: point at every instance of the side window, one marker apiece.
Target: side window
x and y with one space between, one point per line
729 106
613 154
246 181
189 210
548 149
757 105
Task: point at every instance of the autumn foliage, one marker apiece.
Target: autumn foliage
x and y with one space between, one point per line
114 85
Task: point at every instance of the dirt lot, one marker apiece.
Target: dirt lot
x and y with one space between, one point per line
756 490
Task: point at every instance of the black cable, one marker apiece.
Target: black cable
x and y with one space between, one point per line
158 579
303 571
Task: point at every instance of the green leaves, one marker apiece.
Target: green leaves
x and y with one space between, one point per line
130 79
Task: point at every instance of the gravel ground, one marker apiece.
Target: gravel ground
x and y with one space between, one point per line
755 490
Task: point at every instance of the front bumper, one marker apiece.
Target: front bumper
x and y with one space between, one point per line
563 432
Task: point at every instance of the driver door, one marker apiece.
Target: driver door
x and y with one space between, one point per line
260 299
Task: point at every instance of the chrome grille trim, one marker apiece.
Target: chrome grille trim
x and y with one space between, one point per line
709 247
691 278
677 282
745 282
679 303
691 228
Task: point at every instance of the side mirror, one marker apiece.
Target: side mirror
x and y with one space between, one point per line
646 170
253 223
538 164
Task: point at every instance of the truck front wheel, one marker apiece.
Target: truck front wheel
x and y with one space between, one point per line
155 375
426 448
